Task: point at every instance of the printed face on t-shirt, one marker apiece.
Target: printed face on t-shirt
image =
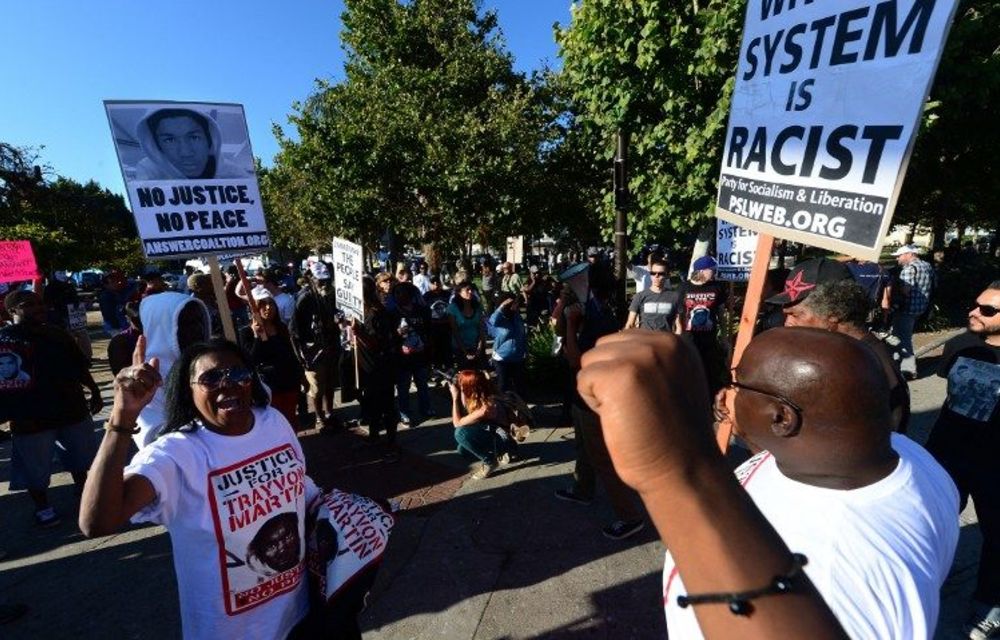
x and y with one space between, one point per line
277 543
9 367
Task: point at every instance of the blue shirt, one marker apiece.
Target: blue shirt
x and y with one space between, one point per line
510 343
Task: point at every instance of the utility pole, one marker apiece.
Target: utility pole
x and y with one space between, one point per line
621 204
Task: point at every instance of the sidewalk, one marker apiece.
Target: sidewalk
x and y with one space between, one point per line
494 558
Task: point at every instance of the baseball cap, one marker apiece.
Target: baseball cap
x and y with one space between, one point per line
804 277
906 248
704 262
533 268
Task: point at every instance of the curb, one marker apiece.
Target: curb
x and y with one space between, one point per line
937 343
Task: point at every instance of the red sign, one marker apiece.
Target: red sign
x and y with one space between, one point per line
17 261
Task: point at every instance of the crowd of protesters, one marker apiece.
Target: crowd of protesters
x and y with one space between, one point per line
818 407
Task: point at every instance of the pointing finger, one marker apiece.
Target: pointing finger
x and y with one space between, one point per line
139 354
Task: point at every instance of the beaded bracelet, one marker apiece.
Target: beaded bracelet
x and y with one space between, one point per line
739 602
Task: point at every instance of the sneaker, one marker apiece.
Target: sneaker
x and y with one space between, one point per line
504 459
570 496
404 422
484 470
47 517
620 529
985 623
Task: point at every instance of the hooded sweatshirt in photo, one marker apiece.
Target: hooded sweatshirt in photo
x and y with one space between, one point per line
156 165
159 314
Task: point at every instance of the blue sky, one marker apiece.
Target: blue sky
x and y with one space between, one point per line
63 58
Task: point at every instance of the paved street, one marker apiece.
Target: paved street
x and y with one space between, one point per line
497 558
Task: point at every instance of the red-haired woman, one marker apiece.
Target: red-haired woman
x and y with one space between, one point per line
475 414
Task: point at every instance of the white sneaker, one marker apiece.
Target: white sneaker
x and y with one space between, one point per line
985 623
484 470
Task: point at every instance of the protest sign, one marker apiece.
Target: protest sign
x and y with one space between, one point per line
189 173
76 315
824 113
735 248
17 261
348 270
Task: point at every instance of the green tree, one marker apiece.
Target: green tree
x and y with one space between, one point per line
954 177
71 225
431 133
661 70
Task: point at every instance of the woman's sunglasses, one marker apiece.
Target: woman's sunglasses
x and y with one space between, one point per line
985 310
215 378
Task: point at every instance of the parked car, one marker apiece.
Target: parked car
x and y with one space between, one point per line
88 279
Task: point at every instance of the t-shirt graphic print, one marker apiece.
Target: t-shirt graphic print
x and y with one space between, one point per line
973 388
257 526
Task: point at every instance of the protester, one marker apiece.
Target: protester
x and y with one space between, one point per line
237 306
536 296
657 306
377 343
491 286
911 296
510 343
315 335
467 327
269 346
200 285
814 403
703 301
475 414
170 322
510 281
584 324
115 292
436 299
422 280
60 297
121 346
965 440
412 365
201 480
269 284
823 294
384 282
153 282
42 376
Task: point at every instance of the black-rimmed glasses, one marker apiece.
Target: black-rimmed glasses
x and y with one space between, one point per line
985 310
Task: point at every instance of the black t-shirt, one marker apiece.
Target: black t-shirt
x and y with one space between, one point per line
437 302
42 372
701 305
274 359
656 310
413 342
967 432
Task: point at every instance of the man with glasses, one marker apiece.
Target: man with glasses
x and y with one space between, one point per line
655 308
966 438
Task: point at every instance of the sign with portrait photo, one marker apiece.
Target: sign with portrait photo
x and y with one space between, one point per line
189 173
825 109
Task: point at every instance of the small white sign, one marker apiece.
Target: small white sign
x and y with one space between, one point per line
735 248
348 271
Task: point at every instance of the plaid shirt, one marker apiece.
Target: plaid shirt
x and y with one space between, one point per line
919 276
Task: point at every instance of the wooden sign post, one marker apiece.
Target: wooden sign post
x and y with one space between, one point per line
219 285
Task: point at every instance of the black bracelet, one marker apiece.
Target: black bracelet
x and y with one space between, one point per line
739 602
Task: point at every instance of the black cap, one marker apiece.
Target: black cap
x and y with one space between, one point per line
806 275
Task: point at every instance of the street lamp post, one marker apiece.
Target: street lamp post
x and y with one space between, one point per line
621 204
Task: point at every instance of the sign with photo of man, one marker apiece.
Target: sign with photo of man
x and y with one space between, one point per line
824 113
189 173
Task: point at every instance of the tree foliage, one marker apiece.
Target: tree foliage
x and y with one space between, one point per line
70 225
431 132
954 177
662 71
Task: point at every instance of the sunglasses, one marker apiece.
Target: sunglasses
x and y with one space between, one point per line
215 378
985 310
657 274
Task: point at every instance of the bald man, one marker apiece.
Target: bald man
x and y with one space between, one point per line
871 510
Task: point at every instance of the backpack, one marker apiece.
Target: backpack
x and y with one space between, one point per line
519 420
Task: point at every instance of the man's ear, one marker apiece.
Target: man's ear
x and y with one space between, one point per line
785 422
832 323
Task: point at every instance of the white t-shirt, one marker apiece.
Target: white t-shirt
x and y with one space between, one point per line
422 283
235 509
286 306
878 554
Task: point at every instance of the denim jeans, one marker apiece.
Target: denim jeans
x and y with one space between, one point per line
481 442
902 328
419 375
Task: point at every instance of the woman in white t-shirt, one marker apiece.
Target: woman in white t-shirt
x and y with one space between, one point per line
226 477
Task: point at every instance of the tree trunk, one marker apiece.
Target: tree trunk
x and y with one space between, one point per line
938 229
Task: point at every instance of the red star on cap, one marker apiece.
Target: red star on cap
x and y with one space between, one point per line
795 287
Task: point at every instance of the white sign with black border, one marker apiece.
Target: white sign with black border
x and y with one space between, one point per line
348 272
825 110
735 248
189 172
